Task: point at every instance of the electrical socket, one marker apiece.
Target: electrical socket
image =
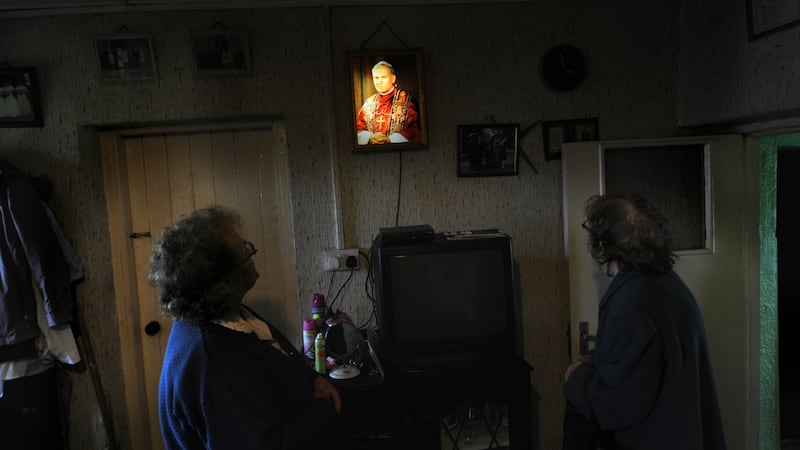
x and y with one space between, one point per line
340 259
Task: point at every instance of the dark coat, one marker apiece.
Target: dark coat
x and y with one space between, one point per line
651 384
30 254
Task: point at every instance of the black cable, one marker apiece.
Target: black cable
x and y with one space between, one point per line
369 281
330 285
369 290
346 282
399 190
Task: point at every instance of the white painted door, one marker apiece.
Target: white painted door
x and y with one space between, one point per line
717 274
163 174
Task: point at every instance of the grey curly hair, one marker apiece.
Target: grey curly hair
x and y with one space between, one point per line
194 268
629 231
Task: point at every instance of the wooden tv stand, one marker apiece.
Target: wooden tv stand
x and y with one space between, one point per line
427 410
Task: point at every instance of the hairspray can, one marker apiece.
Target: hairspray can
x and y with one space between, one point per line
319 354
319 310
309 332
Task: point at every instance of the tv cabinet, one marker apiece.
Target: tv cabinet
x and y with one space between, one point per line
429 410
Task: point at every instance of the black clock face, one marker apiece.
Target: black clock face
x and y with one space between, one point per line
563 68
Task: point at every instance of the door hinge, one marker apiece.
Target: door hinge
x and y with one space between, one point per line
140 235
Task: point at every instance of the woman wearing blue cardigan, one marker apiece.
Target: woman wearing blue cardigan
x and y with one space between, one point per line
229 380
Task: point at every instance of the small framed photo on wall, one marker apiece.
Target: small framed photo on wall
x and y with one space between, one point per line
488 150
19 98
558 132
221 54
126 57
388 100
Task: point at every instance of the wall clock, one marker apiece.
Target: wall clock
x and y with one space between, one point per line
563 68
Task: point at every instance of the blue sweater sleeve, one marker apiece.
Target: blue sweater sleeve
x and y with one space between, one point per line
230 390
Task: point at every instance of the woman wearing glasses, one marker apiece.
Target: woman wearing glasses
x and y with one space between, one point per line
229 378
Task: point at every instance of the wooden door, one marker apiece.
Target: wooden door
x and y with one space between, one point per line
716 272
152 178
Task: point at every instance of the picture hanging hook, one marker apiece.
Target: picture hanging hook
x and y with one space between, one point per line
383 24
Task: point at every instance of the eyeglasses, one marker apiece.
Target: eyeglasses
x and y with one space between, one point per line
249 250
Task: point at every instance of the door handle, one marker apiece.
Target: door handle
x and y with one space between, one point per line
152 328
584 338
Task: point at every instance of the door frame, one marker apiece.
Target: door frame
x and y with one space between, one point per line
768 147
139 432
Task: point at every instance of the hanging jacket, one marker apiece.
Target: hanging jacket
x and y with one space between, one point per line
30 255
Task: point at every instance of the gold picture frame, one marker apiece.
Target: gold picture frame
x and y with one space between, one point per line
400 122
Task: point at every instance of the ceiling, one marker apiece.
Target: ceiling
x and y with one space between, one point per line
29 8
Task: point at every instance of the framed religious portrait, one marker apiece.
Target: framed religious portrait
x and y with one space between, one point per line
19 98
388 100
558 132
488 150
126 57
221 54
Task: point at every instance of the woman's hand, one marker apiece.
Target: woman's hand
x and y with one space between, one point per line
573 366
324 389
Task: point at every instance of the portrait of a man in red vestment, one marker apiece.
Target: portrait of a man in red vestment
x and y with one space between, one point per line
388 111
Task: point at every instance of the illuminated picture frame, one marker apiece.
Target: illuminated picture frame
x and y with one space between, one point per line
488 150
19 98
399 122
126 57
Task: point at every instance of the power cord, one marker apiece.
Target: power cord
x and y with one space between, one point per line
399 190
346 282
369 290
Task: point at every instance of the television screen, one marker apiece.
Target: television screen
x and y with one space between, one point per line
443 301
434 293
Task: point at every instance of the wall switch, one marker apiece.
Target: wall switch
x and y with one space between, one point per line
336 259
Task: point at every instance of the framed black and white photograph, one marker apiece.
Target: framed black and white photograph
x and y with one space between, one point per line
488 150
221 54
770 16
388 100
126 57
19 98
558 132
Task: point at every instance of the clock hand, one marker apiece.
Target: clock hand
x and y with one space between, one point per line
564 64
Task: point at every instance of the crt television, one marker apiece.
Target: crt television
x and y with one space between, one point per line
444 303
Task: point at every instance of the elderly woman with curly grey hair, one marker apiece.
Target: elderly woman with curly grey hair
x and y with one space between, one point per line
649 383
229 378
